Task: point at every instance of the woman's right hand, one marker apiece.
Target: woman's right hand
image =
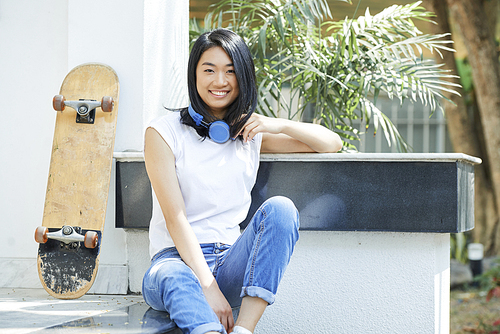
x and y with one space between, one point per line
220 305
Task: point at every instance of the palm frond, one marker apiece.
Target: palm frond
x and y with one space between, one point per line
340 73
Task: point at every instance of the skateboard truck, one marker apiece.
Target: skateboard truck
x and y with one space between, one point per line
67 235
85 109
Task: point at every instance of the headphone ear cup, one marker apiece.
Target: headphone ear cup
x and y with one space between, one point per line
219 132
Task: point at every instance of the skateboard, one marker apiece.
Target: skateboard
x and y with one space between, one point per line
78 183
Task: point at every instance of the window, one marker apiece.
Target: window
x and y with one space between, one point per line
423 132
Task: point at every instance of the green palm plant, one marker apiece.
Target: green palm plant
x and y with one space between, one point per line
337 68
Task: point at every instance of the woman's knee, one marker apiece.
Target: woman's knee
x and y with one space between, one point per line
283 211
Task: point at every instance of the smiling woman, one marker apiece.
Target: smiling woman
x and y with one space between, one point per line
202 265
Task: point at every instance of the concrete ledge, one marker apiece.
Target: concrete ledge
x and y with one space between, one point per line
22 273
111 280
386 157
19 273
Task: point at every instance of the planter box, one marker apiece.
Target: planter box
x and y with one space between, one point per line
362 263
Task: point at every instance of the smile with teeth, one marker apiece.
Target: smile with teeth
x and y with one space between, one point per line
219 93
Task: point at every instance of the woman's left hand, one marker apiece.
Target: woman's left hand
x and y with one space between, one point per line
285 136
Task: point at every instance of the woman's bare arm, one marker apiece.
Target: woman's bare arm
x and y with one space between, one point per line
285 136
160 165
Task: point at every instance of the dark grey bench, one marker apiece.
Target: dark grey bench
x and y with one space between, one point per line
336 192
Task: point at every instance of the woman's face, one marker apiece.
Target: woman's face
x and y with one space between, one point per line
216 81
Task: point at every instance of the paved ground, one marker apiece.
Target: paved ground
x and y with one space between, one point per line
35 311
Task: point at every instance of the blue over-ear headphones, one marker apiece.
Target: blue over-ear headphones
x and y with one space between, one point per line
218 131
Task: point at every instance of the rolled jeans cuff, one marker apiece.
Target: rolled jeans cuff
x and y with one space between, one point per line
255 291
211 327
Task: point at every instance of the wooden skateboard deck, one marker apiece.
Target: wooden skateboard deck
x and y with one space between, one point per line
78 182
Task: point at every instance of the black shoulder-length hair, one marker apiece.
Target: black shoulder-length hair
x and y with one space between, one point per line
244 69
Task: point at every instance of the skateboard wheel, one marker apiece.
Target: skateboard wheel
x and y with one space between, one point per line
58 102
107 104
91 239
41 234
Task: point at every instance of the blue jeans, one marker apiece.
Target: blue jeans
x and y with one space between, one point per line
252 266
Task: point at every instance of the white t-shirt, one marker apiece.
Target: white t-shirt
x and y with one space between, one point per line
215 181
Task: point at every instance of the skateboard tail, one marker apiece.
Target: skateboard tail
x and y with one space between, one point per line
68 271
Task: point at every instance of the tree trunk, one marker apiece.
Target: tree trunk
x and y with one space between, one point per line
463 135
471 19
464 138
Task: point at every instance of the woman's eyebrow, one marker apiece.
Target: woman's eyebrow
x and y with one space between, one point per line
210 64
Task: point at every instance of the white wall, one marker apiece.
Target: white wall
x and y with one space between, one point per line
33 62
146 42
364 282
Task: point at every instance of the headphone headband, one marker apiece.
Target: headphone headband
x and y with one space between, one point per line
197 118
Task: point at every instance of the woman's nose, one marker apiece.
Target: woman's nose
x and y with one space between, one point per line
221 79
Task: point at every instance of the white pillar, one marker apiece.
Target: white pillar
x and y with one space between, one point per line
166 53
147 44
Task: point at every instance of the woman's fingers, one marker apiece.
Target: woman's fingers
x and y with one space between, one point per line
228 322
258 123
219 305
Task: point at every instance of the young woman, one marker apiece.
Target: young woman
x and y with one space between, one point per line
201 266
